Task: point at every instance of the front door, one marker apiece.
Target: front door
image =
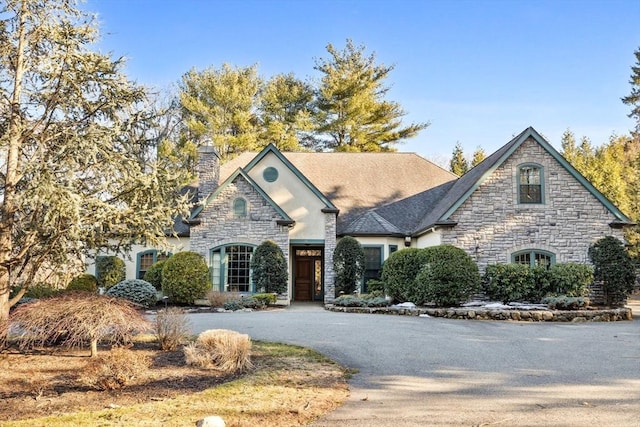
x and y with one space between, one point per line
307 279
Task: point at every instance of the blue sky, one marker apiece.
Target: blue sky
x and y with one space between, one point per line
478 71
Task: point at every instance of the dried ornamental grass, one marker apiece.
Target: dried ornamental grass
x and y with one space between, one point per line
171 328
228 351
77 319
115 370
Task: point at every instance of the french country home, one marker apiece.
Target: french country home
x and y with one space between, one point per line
523 204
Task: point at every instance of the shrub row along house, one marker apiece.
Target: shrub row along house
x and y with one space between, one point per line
523 204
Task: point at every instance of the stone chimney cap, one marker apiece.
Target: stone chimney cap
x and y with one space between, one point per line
208 149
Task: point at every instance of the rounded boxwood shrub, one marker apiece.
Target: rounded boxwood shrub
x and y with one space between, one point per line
137 291
109 271
83 282
348 265
269 268
185 277
154 274
399 273
449 278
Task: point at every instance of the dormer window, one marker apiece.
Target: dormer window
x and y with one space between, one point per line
530 184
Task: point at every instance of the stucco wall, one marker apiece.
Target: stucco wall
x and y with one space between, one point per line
492 224
293 196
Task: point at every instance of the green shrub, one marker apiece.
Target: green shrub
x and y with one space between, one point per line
377 302
348 265
135 290
375 287
542 279
349 301
253 303
571 279
185 277
232 305
354 301
247 302
154 274
509 282
614 268
564 302
449 278
399 272
109 271
83 282
265 298
41 290
269 268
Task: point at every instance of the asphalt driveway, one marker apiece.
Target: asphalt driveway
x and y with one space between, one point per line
424 371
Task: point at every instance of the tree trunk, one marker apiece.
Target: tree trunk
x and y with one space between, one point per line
8 209
94 348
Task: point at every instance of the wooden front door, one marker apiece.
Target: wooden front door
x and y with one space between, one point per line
303 279
307 280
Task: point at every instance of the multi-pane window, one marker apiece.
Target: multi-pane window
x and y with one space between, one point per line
372 263
534 258
231 268
147 259
530 184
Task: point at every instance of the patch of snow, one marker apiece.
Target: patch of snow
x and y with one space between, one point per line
405 305
424 315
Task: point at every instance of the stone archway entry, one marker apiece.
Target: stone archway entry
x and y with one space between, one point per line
308 270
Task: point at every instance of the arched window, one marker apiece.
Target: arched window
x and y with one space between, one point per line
239 207
146 259
530 184
534 258
231 267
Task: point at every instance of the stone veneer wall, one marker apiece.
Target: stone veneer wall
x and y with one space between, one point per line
208 171
219 226
492 221
329 247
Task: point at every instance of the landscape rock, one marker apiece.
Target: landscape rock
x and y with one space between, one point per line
213 421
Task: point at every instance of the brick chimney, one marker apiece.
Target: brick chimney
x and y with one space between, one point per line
208 171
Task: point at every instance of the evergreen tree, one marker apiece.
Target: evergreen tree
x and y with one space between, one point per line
352 113
458 163
478 156
569 149
633 99
348 265
286 105
77 173
219 105
269 268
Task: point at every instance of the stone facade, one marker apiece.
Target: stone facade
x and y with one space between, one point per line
329 247
208 171
220 226
492 225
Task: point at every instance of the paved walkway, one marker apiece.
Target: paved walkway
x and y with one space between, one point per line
430 371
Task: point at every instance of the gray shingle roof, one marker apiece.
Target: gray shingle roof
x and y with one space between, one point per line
359 182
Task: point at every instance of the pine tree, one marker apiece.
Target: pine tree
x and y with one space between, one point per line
286 108
352 113
633 99
458 164
218 105
478 156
